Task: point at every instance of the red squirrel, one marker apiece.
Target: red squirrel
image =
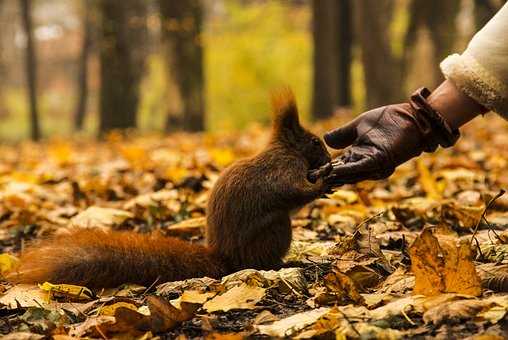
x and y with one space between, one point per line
248 222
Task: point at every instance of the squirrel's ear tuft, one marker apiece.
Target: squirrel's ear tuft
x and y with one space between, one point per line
285 111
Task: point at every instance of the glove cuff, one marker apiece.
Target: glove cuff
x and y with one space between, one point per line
442 132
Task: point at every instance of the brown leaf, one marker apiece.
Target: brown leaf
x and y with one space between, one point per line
443 266
494 276
340 289
239 297
164 316
454 311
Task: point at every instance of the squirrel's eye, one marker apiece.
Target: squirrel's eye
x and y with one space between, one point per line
316 141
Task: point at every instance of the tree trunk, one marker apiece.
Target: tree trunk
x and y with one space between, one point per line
2 61
325 84
31 68
484 10
443 31
344 46
81 106
122 59
182 23
438 18
382 70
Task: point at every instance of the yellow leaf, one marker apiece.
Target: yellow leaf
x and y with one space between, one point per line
344 196
427 181
222 157
135 155
443 266
176 173
77 292
110 310
61 152
7 263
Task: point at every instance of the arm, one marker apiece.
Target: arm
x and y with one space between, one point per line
381 139
455 106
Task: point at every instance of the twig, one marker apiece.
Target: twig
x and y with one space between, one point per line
367 220
478 246
151 286
407 317
492 230
349 322
101 333
290 287
492 200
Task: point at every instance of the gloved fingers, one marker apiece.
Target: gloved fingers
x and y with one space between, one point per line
356 166
351 169
341 137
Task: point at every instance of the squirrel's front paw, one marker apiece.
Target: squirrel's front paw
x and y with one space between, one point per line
319 173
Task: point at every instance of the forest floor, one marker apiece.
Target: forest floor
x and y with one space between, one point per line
419 255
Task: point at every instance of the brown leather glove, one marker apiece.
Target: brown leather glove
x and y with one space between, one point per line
383 138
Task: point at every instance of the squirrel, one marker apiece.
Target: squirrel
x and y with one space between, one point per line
247 222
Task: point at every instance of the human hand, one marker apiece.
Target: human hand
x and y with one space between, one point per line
383 138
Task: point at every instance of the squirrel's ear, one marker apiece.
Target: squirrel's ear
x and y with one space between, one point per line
285 111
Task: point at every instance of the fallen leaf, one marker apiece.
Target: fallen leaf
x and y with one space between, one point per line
338 288
193 296
100 217
22 336
70 291
343 197
291 325
110 310
238 297
443 266
25 296
7 263
427 181
455 311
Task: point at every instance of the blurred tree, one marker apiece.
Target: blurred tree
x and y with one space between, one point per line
382 69
344 46
324 32
438 18
2 61
182 24
484 10
83 68
332 56
31 67
122 59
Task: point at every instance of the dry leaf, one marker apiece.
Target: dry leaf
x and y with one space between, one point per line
110 310
238 297
338 289
22 336
69 291
455 311
291 325
7 263
94 217
443 266
427 181
25 296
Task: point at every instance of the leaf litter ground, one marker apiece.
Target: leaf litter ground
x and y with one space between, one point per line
423 254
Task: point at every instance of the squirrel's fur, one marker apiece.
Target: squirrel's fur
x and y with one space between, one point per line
248 222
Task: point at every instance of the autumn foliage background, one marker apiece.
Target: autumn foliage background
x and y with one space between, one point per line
421 254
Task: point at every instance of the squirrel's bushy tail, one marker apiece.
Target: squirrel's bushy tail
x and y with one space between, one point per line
95 259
